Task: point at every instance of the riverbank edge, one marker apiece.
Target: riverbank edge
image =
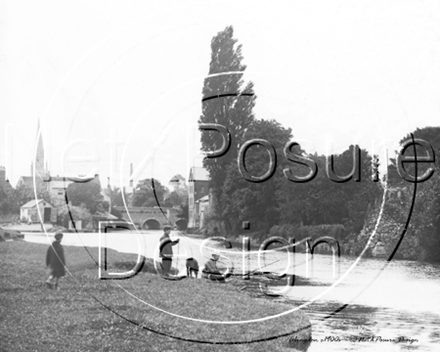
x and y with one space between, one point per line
39 248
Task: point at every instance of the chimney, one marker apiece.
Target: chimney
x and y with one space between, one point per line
131 174
2 177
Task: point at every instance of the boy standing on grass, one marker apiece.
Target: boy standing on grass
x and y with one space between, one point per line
166 252
55 261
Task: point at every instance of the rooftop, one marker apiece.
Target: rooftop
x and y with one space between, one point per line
198 174
32 203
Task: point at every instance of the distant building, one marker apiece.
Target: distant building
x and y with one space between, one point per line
28 181
4 183
101 217
2 177
202 207
149 218
57 188
107 194
37 169
55 185
30 211
198 188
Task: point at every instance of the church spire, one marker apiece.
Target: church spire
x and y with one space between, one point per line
39 156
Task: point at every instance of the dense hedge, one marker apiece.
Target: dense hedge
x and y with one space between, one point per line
300 232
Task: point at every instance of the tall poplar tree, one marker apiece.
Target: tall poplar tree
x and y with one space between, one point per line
228 101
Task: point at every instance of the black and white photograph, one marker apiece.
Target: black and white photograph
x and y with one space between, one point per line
219 175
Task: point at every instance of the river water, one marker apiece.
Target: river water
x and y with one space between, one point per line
354 304
384 302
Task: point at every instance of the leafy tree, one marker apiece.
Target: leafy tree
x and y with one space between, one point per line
116 197
256 202
144 193
425 222
87 195
428 134
323 201
175 199
357 196
4 204
105 205
178 183
116 213
184 212
179 195
24 194
8 200
312 202
222 105
422 240
66 213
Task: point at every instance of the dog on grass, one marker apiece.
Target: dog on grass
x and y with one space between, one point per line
192 267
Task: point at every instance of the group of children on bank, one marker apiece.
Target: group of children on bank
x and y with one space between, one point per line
56 261
210 270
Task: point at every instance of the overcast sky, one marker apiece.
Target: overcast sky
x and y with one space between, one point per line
120 82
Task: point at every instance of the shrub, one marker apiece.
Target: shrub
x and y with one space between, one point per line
336 231
66 213
285 231
212 225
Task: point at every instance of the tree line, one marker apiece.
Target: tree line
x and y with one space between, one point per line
279 206
82 200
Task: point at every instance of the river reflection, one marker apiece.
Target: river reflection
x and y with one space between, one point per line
381 301
385 301
361 304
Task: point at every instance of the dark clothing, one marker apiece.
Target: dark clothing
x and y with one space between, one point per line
166 251
166 265
55 259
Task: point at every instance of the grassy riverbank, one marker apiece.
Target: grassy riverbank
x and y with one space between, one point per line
79 316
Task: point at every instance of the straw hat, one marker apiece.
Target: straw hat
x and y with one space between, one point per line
216 256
